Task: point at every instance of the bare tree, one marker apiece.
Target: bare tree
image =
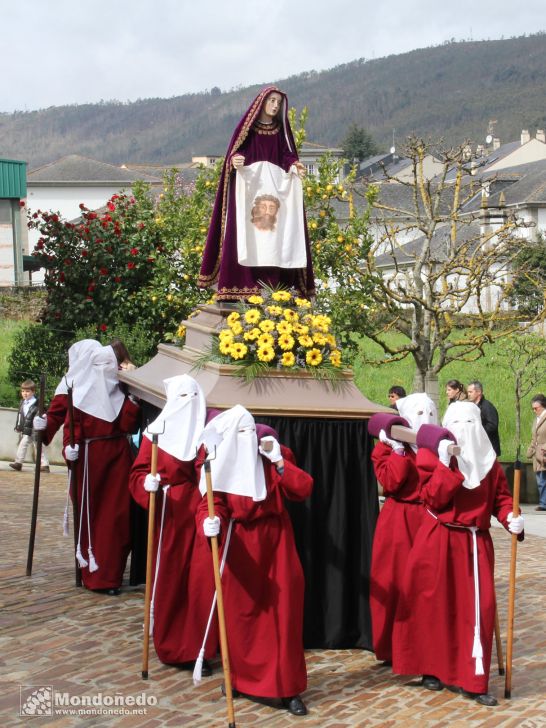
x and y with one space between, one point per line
441 263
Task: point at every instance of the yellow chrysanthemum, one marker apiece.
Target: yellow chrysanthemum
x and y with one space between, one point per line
286 342
233 317
290 315
181 331
335 357
266 326
301 329
225 347
281 296
313 357
225 334
237 328
252 335
266 353
283 327
255 300
238 351
331 339
253 316
274 310
319 339
302 303
288 359
305 341
265 340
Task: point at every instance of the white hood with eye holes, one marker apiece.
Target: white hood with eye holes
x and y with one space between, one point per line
181 421
418 409
477 456
236 467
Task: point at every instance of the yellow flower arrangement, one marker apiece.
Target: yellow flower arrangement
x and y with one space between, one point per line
279 330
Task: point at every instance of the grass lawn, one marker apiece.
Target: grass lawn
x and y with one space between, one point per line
9 396
498 386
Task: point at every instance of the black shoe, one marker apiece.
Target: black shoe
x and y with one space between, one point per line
294 705
386 663
431 683
538 508
481 698
44 469
16 466
113 592
234 693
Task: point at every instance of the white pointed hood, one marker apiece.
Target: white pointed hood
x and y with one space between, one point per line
99 393
237 467
477 456
79 363
182 419
418 409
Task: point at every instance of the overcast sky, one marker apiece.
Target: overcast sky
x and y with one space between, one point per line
57 52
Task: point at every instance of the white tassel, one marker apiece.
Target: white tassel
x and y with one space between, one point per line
198 669
151 627
93 566
65 521
477 653
81 561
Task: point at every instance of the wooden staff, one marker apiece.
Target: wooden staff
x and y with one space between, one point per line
73 483
512 583
498 641
220 601
34 517
149 561
406 434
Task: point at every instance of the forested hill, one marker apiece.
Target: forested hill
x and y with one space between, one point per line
452 91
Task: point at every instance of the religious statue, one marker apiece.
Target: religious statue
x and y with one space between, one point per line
258 231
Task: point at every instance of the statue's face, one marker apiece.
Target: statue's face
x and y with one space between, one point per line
267 207
272 104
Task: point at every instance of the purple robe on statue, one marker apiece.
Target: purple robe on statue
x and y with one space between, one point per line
220 262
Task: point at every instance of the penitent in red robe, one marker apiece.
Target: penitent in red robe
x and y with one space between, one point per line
109 462
434 626
56 414
397 525
263 585
184 587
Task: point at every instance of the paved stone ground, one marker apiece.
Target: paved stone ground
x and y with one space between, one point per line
83 643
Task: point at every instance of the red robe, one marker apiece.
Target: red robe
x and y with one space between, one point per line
56 414
397 525
434 626
185 582
110 460
263 585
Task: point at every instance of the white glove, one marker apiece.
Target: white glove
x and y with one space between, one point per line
211 526
71 453
274 454
515 523
39 423
396 445
151 482
443 456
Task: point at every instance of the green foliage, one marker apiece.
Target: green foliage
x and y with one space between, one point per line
9 391
136 338
530 275
358 143
136 264
37 349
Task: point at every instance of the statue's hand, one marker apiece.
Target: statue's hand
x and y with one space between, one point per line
237 160
300 169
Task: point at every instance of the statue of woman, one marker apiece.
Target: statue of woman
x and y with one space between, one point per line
244 250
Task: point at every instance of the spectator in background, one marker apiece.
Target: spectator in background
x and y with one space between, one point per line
23 425
488 412
537 449
394 394
455 391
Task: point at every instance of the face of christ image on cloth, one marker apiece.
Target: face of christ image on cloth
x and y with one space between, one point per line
264 212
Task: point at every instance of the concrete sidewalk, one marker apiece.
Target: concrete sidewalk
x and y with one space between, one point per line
80 644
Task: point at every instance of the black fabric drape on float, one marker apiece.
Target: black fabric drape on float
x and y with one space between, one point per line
334 528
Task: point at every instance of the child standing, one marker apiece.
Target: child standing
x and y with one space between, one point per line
27 410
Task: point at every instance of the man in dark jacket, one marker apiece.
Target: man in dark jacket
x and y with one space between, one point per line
27 410
489 414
